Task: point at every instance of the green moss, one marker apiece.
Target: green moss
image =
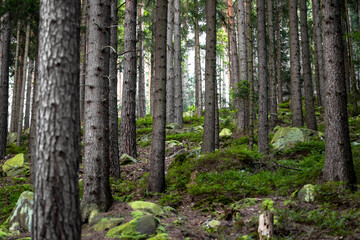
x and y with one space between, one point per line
147 207
12 148
126 231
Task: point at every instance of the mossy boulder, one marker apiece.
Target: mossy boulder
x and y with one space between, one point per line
126 159
225 133
11 137
286 137
107 223
307 193
161 236
16 166
148 207
211 224
21 218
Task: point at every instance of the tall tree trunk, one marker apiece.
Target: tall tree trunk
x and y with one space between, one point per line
296 104
13 122
128 116
308 86
250 72
4 80
198 80
170 64
97 193
83 53
34 104
56 196
157 163
278 53
217 120
263 79
141 91
22 94
178 95
272 69
319 55
152 89
338 164
346 58
210 78
28 94
113 106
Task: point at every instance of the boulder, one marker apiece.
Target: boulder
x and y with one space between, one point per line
286 137
174 126
21 218
307 193
161 236
148 207
211 224
11 137
107 223
126 159
225 133
16 166
147 225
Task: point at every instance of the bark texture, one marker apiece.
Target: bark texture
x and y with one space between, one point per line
15 87
157 164
56 197
338 158
170 64
83 53
198 80
141 91
210 78
278 54
128 110
28 94
97 194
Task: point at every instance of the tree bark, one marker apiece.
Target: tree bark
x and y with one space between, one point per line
83 53
278 54
178 94
338 158
28 94
296 104
263 79
128 110
13 124
141 91
308 86
5 33
210 78
56 196
198 80
157 164
170 64
113 106
97 193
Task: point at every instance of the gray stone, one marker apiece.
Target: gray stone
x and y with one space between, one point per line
307 193
126 159
147 225
21 218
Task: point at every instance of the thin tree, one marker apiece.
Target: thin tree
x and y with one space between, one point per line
56 191
308 86
338 164
113 106
13 124
198 79
128 106
28 94
210 78
278 53
157 164
178 93
170 64
97 193
141 90
83 34
263 79
4 80
296 105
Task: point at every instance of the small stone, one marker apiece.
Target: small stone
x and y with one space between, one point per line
225 133
307 193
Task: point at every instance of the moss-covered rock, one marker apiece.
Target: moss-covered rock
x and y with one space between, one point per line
307 193
173 126
21 218
161 236
16 166
287 136
147 207
128 230
126 159
172 143
107 223
11 137
225 133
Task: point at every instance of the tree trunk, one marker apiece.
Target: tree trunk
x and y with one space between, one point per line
157 163
13 122
308 86
28 94
128 116
152 90
263 79
278 54
210 78
113 106
141 91
178 98
272 69
22 94
319 55
5 33
198 80
296 104
170 64
97 193
83 53
56 191
338 158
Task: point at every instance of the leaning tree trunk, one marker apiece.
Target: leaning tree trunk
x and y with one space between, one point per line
338 164
296 104
83 34
128 108
4 80
113 106
141 90
97 192
56 191
170 64
198 80
28 94
308 86
157 163
13 124
178 94
210 78
22 95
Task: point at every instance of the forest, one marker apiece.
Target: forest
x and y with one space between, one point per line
179 119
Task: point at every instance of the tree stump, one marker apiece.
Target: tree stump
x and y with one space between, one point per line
266 225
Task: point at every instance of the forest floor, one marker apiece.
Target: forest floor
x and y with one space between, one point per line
232 186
